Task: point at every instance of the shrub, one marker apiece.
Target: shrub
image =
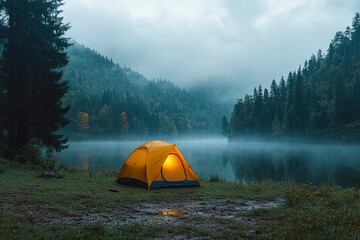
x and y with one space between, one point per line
215 178
50 161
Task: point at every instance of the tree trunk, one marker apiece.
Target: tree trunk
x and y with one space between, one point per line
12 81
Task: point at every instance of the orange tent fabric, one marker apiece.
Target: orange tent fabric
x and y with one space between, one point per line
157 164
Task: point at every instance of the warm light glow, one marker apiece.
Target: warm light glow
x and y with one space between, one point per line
171 162
172 212
172 169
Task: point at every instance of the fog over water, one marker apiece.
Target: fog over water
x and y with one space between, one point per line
236 161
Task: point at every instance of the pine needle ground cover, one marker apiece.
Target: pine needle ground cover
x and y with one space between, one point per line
90 205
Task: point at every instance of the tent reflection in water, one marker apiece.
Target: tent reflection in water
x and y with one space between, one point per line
157 164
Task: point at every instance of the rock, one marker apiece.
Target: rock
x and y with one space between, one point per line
113 190
49 174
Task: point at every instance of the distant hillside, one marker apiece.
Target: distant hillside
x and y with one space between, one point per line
106 99
320 99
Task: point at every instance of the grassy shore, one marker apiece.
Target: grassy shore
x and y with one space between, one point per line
90 205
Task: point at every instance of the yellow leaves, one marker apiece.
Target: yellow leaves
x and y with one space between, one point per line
123 116
83 121
124 123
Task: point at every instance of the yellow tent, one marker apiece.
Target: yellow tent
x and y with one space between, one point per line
157 164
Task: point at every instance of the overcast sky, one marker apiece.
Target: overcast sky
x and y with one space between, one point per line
238 43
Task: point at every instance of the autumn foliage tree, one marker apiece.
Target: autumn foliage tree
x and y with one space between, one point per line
83 121
124 123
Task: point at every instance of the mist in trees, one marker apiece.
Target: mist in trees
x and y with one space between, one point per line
320 99
110 101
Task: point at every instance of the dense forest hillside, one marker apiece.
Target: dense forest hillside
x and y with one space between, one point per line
108 100
320 99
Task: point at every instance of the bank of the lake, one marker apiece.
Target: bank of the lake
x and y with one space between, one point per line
90 205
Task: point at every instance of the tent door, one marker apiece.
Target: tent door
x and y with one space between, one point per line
173 169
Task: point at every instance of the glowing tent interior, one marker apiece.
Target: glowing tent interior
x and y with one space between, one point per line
157 164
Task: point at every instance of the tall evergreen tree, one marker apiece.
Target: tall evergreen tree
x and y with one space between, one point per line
267 115
33 58
299 109
258 104
289 111
282 90
274 98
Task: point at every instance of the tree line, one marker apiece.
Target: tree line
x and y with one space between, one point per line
107 100
320 99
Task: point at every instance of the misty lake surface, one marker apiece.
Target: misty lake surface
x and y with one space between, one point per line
236 161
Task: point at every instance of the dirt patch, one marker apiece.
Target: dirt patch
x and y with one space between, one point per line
208 209
213 215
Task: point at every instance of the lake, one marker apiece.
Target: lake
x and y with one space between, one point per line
236 161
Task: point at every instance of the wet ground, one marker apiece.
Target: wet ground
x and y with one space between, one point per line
213 215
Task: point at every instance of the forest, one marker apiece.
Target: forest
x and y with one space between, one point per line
53 89
107 100
321 99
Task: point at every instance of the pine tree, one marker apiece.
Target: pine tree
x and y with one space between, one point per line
274 104
289 108
267 115
282 90
33 58
104 118
237 120
258 105
299 111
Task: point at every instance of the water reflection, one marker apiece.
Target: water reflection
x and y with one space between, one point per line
172 212
243 162
84 161
315 164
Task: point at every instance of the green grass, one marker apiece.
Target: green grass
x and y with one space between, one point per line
309 213
315 213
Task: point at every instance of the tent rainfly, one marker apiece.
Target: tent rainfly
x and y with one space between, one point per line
157 164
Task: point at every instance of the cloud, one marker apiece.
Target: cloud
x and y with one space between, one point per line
238 43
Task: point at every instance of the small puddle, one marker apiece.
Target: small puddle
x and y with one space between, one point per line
172 212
